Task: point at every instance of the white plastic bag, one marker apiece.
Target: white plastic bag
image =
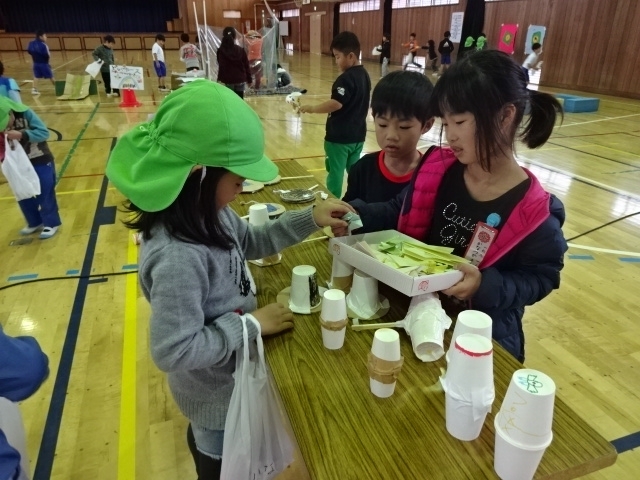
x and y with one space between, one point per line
93 69
19 171
256 444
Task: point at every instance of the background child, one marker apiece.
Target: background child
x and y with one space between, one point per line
189 53
21 123
399 105
433 56
531 62
347 109
233 64
413 47
192 263
477 180
254 55
104 52
385 54
157 52
9 87
445 48
39 51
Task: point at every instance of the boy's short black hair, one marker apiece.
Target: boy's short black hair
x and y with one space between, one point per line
447 34
412 34
403 94
535 46
346 43
1 69
159 36
109 39
39 33
184 37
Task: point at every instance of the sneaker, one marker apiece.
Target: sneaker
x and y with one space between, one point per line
34 91
116 94
164 89
29 230
109 94
48 232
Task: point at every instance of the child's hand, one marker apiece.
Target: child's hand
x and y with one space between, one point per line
14 135
340 231
274 318
329 212
468 286
305 109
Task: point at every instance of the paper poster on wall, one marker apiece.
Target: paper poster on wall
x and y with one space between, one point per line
127 77
456 26
535 34
507 37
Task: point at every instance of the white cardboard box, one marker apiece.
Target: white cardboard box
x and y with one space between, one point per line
342 247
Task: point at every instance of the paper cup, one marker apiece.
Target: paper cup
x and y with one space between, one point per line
526 414
341 275
258 214
427 338
304 287
363 299
471 362
469 374
334 310
472 321
459 419
385 346
514 461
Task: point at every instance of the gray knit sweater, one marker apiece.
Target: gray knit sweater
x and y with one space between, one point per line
196 295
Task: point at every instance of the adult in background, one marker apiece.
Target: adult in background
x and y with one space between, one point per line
233 64
254 44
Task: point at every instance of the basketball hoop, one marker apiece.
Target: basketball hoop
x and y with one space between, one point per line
298 3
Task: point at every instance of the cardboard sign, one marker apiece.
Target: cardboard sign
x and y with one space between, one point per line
123 76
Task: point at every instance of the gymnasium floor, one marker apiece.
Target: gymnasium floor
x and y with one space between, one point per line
105 413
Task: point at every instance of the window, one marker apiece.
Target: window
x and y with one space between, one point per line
294 12
231 13
362 6
421 3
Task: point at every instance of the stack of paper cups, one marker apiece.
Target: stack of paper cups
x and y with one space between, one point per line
385 362
523 425
341 275
471 321
333 318
258 216
468 385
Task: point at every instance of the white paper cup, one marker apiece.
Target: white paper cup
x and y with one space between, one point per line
459 419
334 309
427 338
304 287
472 321
386 346
471 362
526 414
341 275
514 461
363 298
258 214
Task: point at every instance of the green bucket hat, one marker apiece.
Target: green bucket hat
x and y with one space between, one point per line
6 106
201 123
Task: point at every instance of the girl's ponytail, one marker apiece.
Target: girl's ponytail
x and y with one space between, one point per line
544 111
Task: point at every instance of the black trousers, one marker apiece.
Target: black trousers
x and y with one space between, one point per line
106 78
206 467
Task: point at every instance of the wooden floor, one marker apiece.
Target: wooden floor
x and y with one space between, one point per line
115 415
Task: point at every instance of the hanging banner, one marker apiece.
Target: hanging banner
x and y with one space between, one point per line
507 38
127 77
456 26
535 34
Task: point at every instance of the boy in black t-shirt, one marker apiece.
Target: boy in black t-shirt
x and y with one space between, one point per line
347 121
445 48
399 105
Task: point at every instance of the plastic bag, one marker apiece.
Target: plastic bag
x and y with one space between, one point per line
256 443
19 171
93 69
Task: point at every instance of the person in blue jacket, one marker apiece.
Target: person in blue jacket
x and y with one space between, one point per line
20 123
9 87
23 368
474 197
39 51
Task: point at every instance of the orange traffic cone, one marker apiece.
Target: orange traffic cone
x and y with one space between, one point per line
129 98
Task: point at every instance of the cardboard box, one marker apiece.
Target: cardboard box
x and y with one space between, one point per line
342 247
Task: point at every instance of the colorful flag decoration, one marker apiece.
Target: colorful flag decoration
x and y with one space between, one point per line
507 38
